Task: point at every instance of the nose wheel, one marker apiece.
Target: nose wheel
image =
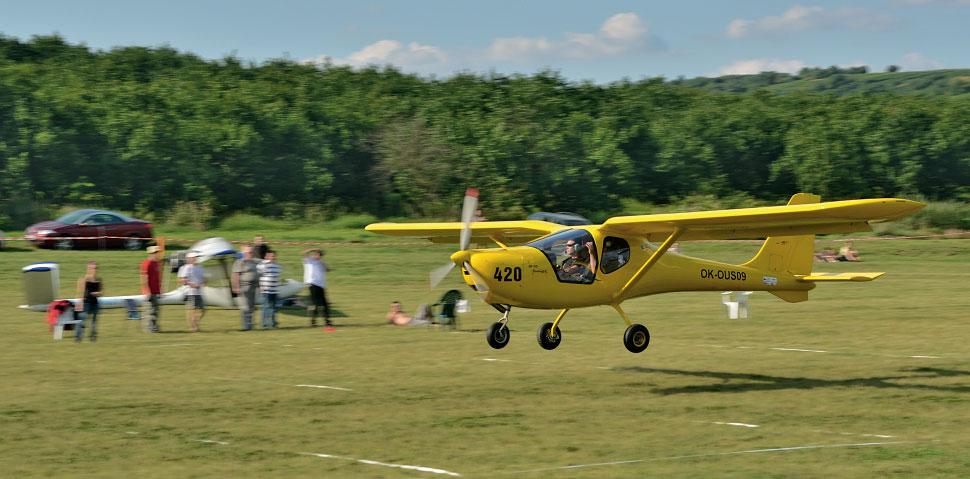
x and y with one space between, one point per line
498 333
636 338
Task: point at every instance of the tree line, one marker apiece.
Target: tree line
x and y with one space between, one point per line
143 129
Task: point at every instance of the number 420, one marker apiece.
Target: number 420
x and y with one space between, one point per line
508 274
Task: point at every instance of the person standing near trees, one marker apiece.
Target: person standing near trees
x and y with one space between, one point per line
193 276
260 248
151 286
315 277
89 287
244 280
269 283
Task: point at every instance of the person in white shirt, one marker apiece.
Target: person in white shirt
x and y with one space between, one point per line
315 276
192 275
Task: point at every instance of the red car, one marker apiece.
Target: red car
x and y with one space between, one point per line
91 229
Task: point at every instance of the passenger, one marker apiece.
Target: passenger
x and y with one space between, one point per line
579 263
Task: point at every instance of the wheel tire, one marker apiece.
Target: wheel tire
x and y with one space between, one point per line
134 243
547 341
64 244
498 335
636 338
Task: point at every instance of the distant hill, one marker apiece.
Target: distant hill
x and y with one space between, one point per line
841 81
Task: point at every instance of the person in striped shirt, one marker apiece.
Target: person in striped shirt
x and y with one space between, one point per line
269 282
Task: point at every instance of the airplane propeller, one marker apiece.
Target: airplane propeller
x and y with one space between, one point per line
467 212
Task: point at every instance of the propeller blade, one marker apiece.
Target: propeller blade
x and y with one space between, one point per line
439 274
467 212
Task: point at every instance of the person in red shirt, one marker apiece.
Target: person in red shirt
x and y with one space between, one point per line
151 286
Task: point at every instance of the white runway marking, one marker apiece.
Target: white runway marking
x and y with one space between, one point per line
739 424
384 464
321 387
497 360
131 432
924 357
210 441
800 350
713 454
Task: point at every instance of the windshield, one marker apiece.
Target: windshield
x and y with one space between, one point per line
572 254
73 217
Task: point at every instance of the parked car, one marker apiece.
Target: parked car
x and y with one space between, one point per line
91 229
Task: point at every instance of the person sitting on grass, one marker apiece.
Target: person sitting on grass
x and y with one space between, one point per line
846 253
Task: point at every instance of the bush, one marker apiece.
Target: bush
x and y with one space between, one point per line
944 215
246 221
357 221
190 214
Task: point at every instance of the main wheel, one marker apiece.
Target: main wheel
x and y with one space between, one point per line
547 340
636 338
133 243
498 335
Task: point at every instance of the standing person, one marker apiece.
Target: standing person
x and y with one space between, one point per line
192 275
315 276
244 278
89 287
260 248
151 286
269 283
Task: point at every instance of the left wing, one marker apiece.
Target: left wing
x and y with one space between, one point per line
848 216
503 232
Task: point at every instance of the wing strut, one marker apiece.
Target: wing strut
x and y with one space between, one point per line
649 263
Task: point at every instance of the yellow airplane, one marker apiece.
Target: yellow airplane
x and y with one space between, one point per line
542 265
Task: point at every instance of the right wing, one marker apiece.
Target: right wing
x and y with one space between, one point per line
796 218
503 232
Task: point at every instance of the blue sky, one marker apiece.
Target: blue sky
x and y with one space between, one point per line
600 41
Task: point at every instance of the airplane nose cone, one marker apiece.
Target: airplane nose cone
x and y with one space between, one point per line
461 257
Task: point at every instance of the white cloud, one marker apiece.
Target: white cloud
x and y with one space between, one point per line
619 34
800 18
758 65
389 52
937 2
915 61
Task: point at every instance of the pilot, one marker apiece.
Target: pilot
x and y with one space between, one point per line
579 263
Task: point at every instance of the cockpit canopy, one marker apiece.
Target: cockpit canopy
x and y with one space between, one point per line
572 254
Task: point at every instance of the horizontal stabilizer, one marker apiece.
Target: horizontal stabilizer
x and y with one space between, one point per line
839 276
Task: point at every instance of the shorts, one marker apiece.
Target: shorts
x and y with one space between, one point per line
316 295
194 301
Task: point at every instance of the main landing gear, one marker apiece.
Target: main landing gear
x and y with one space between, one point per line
636 338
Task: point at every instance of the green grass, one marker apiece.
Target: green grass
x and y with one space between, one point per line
134 403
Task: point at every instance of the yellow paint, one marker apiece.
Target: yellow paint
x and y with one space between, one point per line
782 266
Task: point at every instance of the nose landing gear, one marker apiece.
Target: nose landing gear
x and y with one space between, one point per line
498 333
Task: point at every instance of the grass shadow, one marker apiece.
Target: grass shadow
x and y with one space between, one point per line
743 382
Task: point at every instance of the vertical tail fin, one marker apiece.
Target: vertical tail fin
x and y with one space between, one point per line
788 254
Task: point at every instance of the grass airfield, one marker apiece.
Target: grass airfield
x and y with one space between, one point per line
863 380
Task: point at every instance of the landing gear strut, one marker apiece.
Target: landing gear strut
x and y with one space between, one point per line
498 333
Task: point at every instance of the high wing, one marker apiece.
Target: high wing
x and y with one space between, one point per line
502 232
848 216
